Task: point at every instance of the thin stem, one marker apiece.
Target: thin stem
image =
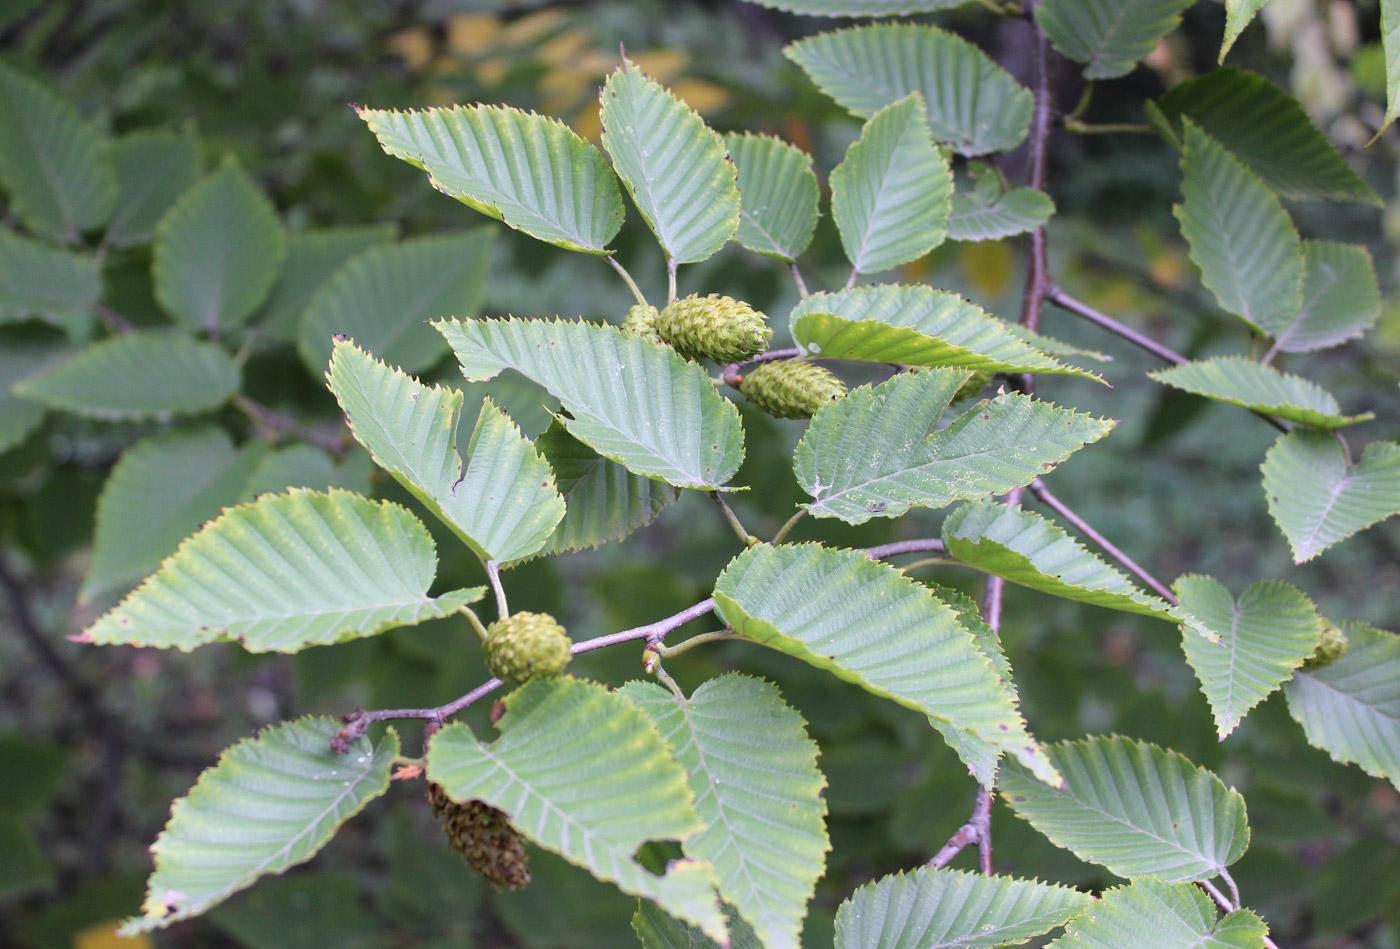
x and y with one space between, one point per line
475 621
787 527
1039 489
770 356
747 539
991 601
1108 128
1082 105
904 547
801 284
493 573
699 639
654 632
851 280
276 424
627 277
358 722
110 318
1221 899
671 280
1230 882
670 683
1038 272
1066 302
1269 356
928 562
977 830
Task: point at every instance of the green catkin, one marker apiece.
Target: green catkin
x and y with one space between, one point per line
714 327
526 646
791 388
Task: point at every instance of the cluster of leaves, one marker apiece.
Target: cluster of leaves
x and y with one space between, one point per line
591 773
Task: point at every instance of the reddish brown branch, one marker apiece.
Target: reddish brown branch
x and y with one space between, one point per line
1038 269
977 830
1059 507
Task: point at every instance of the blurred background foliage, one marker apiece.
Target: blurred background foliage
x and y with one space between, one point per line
94 743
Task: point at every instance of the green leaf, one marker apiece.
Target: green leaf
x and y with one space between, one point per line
933 909
56 167
161 490
859 8
1341 299
867 623
907 461
22 354
1238 13
1247 248
1244 382
915 326
779 195
1263 638
37 280
628 399
1108 36
753 771
269 804
1318 497
304 466
581 771
527 170
384 297
312 258
973 104
285 572
1351 708
656 930
26 868
305 911
1163 915
217 252
143 375
1267 129
1055 347
988 213
1025 548
673 164
503 504
1390 40
892 194
605 501
1133 808
987 639
153 169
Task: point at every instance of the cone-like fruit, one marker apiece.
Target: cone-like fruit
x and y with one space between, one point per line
791 388
714 327
974 385
526 646
1333 646
483 835
641 321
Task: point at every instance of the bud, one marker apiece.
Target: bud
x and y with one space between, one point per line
714 327
791 388
1332 647
641 321
526 646
483 835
